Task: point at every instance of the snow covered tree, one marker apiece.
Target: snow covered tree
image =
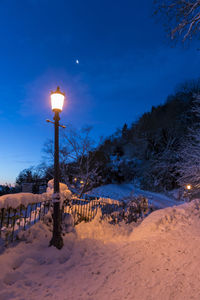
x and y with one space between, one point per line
158 170
189 158
163 166
183 16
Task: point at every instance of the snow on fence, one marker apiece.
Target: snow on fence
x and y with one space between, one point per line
13 220
17 212
86 209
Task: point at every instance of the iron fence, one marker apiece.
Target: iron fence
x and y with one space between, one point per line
14 220
86 209
21 218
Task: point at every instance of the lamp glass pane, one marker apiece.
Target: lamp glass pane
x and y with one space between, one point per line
57 101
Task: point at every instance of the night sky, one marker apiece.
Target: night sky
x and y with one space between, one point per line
126 65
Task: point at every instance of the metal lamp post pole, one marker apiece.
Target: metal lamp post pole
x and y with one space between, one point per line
56 240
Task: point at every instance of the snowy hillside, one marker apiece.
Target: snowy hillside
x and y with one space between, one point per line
121 191
157 260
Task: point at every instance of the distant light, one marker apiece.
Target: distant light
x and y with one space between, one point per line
77 61
188 187
57 100
81 181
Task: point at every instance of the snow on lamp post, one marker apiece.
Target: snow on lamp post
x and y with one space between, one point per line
57 101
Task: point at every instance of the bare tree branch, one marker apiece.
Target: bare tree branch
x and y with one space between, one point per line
183 16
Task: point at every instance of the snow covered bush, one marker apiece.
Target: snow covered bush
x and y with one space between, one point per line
137 207
134 209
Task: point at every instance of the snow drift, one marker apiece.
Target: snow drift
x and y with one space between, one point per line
157 260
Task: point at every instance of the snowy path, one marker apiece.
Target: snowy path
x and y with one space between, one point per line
157 260
120 191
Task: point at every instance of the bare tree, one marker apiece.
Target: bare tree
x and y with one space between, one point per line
79 148
78 158
183 16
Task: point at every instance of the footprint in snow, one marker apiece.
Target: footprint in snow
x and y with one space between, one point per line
11 278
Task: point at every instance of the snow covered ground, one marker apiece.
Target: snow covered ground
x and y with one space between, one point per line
159 259
121 191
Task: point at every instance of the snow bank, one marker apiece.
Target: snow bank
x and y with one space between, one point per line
102 230
123 192
114 191
163 220
15 200
167 219
157 260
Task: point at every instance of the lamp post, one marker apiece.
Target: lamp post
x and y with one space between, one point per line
188 187
188 192
57 100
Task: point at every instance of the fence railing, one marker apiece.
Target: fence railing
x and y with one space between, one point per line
14 220
21 218
85 210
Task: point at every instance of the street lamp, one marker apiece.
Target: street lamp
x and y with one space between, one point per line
57 100
188 187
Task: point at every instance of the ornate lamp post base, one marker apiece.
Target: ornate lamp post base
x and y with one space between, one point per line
57 240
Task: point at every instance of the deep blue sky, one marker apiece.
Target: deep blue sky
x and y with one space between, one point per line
126 65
